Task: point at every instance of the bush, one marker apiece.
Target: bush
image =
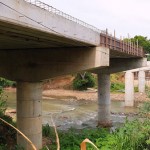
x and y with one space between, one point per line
7 83
136 89
3 104
147 91
71 139
145 108
119 87
134 135
83 81
7 134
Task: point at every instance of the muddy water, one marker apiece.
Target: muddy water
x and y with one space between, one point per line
72 113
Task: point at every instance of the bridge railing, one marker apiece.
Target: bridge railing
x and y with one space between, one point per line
58 12
106 39
120 45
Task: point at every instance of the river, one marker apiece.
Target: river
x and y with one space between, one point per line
69 112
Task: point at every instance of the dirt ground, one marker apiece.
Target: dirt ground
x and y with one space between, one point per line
89 95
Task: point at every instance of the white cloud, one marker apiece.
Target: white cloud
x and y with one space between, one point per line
125 16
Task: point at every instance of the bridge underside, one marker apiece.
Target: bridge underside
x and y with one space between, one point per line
18 37
15 36
41 55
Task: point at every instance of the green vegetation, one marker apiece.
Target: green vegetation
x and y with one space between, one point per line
7 134
117 82
142 41
148 91
7 83
134 135
117 87
83 81
86 80
136 89
145 108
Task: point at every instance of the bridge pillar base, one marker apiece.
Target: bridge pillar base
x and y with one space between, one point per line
129 89
29 113
141 81
104 101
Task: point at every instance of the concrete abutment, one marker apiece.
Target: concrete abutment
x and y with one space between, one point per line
29 113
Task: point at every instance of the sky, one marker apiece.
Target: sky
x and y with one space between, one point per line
126 17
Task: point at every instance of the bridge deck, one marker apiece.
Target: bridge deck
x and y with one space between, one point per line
24 30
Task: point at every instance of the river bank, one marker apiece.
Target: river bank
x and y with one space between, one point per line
89 95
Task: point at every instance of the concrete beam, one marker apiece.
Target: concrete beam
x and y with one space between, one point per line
23 14
121 64
35 65
140 69
147 67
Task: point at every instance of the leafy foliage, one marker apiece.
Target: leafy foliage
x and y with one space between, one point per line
7 134
7 83
148 91
71 139
3 104
83 81
119 87
143 42
117 82
145 108
134 135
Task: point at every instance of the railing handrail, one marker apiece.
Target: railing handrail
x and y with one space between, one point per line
58 12
120 45
102 32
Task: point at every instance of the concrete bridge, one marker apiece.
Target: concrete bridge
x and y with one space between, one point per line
38 42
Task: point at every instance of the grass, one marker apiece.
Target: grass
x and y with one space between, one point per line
134 135
148 91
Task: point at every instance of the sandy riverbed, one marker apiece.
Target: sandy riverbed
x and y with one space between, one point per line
86 95
89 95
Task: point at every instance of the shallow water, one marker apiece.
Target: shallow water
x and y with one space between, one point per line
72 113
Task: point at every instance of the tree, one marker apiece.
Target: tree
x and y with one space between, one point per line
83 81
143 42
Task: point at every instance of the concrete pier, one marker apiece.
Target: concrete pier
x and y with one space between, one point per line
129 89
104 101
29 113
141 81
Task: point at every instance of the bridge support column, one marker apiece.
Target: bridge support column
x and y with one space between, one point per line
141 81
129 89
29 113
104 101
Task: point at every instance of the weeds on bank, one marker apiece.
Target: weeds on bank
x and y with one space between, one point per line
134 135
148 91
144 109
